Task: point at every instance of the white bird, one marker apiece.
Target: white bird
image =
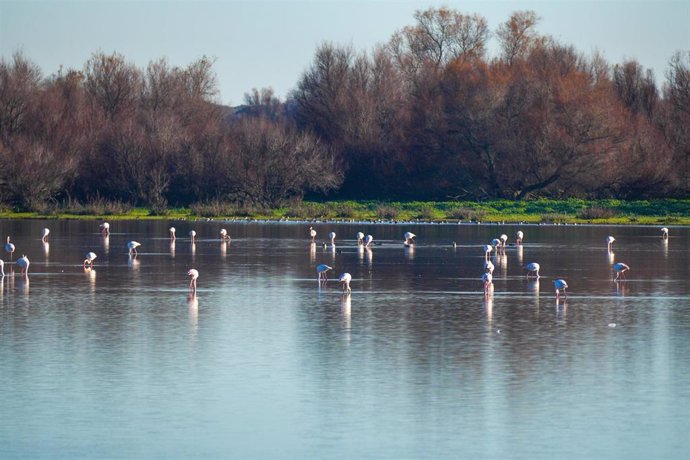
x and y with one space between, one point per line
172 233
2 268
609 242
90 257
44 237
331 236
360 237
495 242
519 235
620 269
192 235
489 267
312 233
532 267
487 278
23 263
409 238
224 235
345 278
487 249
9 247
321 270
504 239
105 228
664 232
132 246
560 284
368 240
192 283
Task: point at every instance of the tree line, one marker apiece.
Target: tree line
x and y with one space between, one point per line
427 115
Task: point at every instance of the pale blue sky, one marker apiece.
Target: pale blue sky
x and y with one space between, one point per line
270 43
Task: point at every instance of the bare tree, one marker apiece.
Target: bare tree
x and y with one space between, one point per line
517 35
113 84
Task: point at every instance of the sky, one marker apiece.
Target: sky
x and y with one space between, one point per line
259 44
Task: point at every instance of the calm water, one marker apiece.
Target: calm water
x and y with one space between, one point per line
263 363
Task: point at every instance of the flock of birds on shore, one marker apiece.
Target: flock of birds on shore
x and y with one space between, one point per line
498 245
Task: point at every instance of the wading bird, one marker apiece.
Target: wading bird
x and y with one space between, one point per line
9 247
321 271
132 246
172 233
409 238
192 283
331 236
312 234
560 284
489 267
192 236
345 278
23 263
487 249
360 237
620 269
504 239
224 235
609 242
90 257
105 228
368 240
44 236
487 278
519 235
532 267
664 232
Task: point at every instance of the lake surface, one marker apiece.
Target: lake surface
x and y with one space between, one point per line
121 361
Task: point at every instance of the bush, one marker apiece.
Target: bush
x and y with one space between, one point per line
553 218
596 212
387 212
467 214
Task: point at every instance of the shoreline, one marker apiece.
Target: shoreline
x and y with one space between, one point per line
666 212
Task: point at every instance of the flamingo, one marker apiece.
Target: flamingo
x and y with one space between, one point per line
609 242
560 284
409 238
224 235
312 233
487 249
519 235
532 267
9 247
496 243
105 228
90 256
504 239
2 268
192 235
44 237
345 278
172 233
368 240
487 278
331 236
194 274
132 246
664 232
489 267
321 270
620 269
360 237
23 263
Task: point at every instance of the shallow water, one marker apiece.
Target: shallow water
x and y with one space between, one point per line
121 361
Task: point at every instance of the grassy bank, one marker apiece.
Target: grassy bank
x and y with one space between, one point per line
669 211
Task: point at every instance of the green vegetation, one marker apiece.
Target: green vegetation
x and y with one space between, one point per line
667 211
